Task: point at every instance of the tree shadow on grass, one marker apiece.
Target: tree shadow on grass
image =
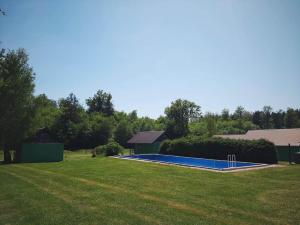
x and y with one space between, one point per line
2 163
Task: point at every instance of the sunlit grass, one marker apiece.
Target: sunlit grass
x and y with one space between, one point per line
85 190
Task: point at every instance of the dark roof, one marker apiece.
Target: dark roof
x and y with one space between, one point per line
280 137
145 137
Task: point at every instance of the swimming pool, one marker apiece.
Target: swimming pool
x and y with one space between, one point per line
221 165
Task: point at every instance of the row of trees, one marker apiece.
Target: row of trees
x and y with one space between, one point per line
241 120
22 115
67 121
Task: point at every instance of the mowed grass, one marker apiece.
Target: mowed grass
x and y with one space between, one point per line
85 190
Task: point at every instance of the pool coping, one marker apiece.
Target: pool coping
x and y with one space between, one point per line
226 170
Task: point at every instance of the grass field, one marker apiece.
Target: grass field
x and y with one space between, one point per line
85 190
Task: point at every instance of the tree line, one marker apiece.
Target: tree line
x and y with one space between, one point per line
23 115
241 120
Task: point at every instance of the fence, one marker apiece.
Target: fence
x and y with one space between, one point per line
42 152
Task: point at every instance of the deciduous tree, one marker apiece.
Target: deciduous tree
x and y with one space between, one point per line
123 132
178 116
16 98
101 102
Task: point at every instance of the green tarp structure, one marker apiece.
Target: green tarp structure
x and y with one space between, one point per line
41 152
283 152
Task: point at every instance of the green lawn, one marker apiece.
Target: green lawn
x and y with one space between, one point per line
85 190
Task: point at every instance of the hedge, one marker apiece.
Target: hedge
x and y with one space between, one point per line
110 149
259 151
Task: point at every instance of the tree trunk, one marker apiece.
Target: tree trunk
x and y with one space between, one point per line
7 156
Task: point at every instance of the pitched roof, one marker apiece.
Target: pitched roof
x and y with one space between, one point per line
145 137
232 136
280 137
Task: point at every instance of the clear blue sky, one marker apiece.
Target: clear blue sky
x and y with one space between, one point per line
219 54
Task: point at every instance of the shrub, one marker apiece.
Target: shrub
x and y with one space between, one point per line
94 153
111 148
260 151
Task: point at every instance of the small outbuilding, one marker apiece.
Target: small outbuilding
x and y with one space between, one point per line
147 142
41 149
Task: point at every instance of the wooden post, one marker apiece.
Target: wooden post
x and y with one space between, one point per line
290 160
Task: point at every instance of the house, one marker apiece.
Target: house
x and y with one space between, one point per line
285 140
147 141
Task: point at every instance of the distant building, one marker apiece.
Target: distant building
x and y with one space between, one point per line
41 148
283 139
147 141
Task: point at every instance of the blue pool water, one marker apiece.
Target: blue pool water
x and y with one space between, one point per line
193 162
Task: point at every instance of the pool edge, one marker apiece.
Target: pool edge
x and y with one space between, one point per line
227 170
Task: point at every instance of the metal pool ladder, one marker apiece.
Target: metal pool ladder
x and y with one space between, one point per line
231 160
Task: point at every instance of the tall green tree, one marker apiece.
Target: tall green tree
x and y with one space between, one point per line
46 112
100 130
178 116
70 108
239 115
211 125
239 112
291 119
101 102
257 118
278 119
16 98
161 123
225 114
132 116
267 119
71 121
242 114
123 132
